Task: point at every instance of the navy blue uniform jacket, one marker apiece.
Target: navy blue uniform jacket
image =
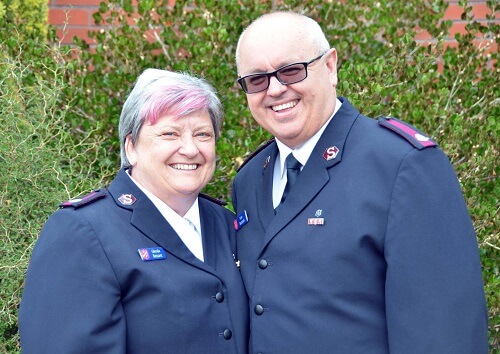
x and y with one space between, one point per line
393 268
88 291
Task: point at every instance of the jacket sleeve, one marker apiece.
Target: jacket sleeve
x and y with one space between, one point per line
435 300
71 299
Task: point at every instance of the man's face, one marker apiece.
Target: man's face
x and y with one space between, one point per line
174 158
292 113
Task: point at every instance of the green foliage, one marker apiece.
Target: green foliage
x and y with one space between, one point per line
27 17
61 108
42 163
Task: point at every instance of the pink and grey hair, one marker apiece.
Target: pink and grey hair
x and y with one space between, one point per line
160 92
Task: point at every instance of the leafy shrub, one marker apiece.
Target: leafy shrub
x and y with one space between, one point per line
450 93
28 15
42 163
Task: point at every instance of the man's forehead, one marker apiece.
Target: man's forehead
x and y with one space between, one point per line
270 58
276 49
272 38
271 27
271 42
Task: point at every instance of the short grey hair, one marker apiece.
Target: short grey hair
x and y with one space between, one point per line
160 92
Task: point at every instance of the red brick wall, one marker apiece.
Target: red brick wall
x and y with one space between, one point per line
453 13
74 18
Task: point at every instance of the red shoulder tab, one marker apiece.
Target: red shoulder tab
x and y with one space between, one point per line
86 199
253 154
212 199
407 131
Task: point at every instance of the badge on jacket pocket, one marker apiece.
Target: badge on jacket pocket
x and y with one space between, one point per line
241 220
152 254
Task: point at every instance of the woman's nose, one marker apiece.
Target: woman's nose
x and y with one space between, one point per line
188 146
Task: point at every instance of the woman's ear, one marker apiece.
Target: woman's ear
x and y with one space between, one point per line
130 150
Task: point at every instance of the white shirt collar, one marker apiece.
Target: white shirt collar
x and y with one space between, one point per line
303 152
191 238
193 215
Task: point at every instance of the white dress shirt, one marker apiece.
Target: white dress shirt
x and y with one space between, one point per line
301 153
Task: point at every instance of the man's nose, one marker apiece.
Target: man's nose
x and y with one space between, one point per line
275 88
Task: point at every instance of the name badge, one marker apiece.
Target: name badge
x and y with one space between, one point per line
241 220
152 254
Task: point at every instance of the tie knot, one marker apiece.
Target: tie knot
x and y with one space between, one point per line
292 163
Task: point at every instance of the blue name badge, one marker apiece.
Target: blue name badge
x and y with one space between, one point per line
241 220
152 254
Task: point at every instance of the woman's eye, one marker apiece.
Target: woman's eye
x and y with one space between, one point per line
204 135
169 134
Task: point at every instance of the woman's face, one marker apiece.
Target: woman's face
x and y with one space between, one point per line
174 158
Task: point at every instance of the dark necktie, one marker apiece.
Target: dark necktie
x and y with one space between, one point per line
292 172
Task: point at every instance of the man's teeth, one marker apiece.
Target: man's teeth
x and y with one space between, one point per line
284 106
179 166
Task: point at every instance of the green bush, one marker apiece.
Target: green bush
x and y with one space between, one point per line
450 93
42 163
28 16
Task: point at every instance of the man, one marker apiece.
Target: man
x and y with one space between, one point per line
372 249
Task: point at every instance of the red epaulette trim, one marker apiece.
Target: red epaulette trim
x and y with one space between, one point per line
408 132
86 199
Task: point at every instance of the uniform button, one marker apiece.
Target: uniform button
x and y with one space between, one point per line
263 264
227 334
258 309
219 297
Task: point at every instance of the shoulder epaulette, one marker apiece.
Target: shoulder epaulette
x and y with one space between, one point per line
407 131
253 154
86 199
221 202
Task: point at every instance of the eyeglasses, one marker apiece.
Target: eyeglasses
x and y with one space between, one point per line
286 75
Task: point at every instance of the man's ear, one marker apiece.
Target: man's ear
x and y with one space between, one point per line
331 64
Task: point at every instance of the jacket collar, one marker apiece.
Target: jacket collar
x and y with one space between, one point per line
146 218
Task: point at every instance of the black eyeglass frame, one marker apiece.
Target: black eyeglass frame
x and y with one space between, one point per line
241 80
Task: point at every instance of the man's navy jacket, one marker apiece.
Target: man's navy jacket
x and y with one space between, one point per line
373 250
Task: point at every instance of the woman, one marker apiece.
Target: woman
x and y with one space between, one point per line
148 264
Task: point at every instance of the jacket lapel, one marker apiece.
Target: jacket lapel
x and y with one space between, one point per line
264 190
147 219
314 176
209 230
